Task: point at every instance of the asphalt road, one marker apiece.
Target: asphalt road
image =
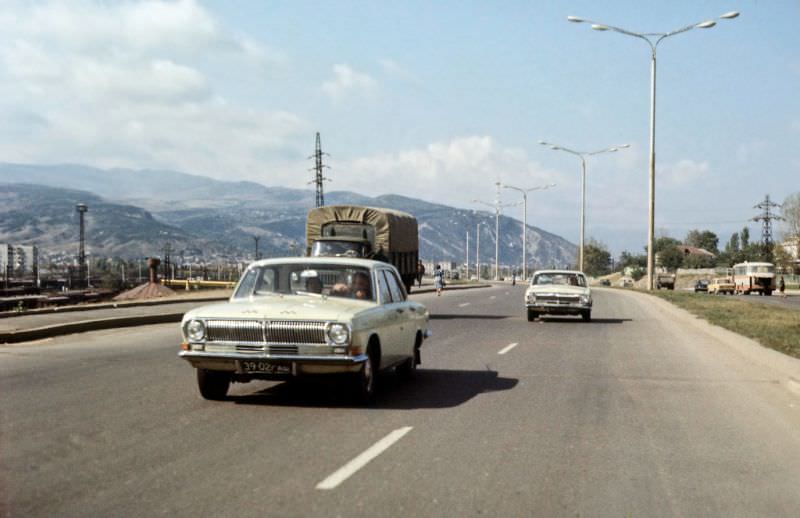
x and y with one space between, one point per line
634 414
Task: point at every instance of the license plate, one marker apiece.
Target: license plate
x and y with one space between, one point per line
264 367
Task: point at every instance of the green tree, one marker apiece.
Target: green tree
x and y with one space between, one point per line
664 242
744 238
627 259
790 210
671 258
698 261
596 259
704 239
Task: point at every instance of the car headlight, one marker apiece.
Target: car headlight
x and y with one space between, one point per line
195 330
585 299
338 334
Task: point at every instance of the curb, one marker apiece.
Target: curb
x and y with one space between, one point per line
38 333
106 305
431 289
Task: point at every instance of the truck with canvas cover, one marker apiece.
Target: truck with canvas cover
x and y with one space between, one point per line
374 233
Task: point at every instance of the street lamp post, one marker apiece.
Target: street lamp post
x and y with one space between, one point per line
582 155
652 39
497 207
525 221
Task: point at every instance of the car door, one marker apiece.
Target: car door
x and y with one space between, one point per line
389 321
405 327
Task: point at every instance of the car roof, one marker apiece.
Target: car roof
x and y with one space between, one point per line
345 261
565 272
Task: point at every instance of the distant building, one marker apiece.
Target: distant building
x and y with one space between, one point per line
19 261
792 248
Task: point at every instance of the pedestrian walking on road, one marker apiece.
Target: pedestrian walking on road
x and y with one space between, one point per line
438 280
420 273
782 287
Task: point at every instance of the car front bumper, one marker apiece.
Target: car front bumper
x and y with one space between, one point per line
296 364
559 309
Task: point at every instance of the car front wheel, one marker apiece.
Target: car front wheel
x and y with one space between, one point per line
365 379
532 315
587 316
213 385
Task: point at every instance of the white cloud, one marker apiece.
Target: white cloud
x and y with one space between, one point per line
129 84
684 172
347 81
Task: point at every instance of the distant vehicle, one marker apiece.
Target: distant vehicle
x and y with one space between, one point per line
558 292
369 232
721 285
310 316
701 286
754 277
666 281
626 282
605 282
455 275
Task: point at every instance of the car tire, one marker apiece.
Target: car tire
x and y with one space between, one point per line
213 385
532 315
587 316
366 378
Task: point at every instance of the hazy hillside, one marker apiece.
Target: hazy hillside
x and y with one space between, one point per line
134 213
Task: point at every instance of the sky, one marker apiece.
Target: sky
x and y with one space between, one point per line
434 100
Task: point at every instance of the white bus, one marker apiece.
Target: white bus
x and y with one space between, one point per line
754 277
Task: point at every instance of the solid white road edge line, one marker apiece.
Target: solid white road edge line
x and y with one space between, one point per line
346 471
464 304
507 348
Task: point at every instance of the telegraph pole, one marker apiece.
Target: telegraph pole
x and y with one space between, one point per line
256 238
319 177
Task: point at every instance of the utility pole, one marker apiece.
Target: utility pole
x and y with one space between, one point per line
319 178
467 256
256 238
82 272
497 208
766 217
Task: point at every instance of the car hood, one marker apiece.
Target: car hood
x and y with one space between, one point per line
558 289
289 307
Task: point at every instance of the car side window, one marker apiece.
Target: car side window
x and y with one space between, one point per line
394 287
383 288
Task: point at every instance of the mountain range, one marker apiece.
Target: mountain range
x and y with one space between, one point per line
135 213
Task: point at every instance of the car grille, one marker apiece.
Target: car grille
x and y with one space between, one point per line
555 299
282 336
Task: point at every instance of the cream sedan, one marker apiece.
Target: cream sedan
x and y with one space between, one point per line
294 317
558 292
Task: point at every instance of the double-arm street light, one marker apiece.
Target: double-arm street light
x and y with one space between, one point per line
497 206
582 155
652 39
525 221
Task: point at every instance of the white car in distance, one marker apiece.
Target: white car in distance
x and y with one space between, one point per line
558 292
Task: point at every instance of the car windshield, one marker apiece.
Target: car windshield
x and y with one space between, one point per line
338 249
560 278
330 280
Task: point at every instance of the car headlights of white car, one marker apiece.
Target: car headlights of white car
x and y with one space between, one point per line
338 334
586 299
195 330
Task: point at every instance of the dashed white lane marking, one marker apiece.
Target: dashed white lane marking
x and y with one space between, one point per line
346 471
464 304
493 297
507 348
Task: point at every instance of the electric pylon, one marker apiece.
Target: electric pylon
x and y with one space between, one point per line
766 217
319 177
